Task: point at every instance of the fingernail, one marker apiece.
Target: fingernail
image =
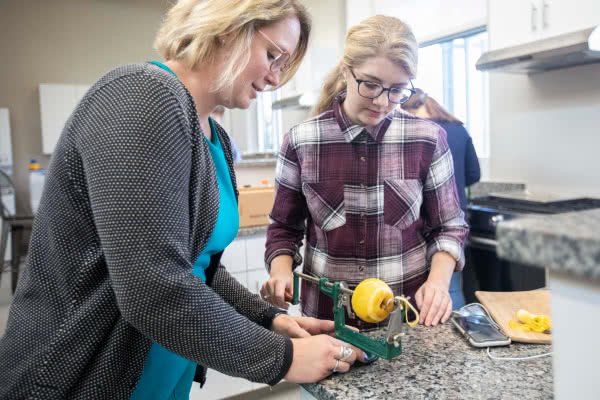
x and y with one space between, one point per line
369 359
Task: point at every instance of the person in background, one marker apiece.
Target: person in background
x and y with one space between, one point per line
464 157
123 294
217 115
373 184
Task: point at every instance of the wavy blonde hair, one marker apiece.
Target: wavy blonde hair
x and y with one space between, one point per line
379 35
193 30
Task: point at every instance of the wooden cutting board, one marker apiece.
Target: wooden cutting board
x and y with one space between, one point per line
504 305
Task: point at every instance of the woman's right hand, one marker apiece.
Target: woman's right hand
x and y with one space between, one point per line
279 287
315 358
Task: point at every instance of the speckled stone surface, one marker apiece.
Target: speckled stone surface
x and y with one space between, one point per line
480 189
252 230
267 162
438 363
566 243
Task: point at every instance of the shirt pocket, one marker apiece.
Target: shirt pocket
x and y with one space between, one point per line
325 202
402 200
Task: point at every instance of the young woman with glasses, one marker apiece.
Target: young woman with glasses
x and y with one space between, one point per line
370 186
123 295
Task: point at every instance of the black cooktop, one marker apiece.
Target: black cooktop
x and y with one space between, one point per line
502 204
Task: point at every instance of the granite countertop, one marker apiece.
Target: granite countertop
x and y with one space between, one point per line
438 363
484 188
252 230
263 162
566 243
257 159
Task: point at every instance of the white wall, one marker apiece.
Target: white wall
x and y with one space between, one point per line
545 130
326 44
64 41
429 19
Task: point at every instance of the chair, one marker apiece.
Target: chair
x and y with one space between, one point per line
16 226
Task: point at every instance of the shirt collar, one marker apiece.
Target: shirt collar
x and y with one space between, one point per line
350 130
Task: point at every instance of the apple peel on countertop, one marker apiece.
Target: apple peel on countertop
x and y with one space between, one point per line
528 322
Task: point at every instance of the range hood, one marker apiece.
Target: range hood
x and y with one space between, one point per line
567 50
306 100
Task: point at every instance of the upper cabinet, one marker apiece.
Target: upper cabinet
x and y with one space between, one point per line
57 103
515 22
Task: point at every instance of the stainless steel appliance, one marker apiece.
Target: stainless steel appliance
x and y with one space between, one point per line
563 51
483 269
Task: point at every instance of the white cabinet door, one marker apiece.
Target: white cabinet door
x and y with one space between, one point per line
234 256
562 16
6 159
241 277
515 22
57 103
512 22
255 251
256 279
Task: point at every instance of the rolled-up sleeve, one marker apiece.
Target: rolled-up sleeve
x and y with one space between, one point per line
288 216
447 228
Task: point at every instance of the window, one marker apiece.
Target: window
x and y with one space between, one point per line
447 72
268 122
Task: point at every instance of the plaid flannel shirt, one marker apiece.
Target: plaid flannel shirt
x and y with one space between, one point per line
377 201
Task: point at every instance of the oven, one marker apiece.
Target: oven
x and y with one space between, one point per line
483 269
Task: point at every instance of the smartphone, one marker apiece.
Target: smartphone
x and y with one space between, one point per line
478 327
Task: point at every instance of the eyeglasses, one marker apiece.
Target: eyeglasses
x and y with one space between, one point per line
279 63
372 90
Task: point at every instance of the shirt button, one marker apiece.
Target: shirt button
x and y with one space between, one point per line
363 159
362 242
361 268
362 186
362 214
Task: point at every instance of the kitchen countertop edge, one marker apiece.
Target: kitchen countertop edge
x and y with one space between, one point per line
566 243
252 230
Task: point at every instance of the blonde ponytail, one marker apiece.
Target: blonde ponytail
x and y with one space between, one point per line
333 85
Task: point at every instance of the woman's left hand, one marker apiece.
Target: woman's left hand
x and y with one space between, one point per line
434 302
299 327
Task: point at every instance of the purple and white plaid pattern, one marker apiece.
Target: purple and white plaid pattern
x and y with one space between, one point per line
378 201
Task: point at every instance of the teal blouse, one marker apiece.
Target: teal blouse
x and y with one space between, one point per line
167 375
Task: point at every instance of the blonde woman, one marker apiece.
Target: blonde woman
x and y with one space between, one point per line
123 295
374 184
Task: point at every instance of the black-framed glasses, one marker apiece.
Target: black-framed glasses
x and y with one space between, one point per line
279 63
372 90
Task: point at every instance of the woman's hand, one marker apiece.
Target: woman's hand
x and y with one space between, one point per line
299 327
434 302
433 298
280 286
316 357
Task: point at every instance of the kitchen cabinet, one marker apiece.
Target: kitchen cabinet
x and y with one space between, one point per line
256 278
244 259
515 22
234 256
57 103
255 252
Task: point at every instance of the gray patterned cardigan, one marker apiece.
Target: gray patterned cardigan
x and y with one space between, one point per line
130 201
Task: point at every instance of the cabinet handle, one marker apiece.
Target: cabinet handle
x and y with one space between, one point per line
545 9
534 11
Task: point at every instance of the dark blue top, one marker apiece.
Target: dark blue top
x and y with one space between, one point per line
466 164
